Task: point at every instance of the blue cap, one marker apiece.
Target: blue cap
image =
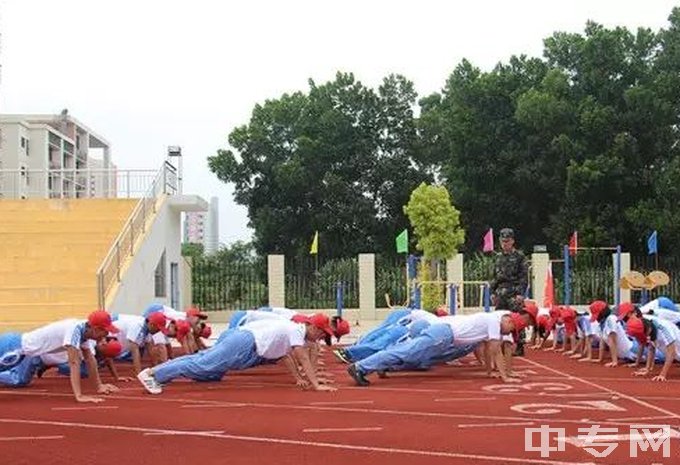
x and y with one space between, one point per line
665 302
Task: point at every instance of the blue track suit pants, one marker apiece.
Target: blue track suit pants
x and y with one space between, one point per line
236 318
236 351
10 350
22 374
386 338
430 344
391 319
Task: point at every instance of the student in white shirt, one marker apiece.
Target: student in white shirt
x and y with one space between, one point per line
248 346
71 335
456 331
654 333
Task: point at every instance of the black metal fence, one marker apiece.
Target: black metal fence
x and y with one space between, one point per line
312 282
390 281
229 286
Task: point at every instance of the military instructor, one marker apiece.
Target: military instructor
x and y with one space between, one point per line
511 277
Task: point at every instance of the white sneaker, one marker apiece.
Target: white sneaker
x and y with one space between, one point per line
149 382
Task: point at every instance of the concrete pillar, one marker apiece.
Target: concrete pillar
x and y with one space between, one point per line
454 273
625 268
276 280
367 286
186 297
539 268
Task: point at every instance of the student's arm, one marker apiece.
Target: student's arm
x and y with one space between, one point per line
638 356
74 367
613 350
136 358
302 356
649 365
292 366
670 357
93 372
553 333
572 340
578 348
495 352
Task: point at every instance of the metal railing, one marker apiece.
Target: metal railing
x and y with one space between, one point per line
65 183
109 272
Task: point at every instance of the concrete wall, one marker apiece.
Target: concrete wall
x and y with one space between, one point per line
136 290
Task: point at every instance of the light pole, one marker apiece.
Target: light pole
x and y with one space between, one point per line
176 151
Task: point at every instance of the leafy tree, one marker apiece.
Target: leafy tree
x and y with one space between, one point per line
436 224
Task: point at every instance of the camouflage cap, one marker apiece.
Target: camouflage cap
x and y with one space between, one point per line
507 233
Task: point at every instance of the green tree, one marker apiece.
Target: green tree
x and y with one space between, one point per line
341 159
436 224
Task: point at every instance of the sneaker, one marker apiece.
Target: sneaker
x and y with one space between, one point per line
357 376
340 355
149 382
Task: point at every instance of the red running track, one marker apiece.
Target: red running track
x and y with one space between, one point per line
450 415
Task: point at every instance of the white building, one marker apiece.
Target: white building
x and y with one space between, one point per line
53 156
203 227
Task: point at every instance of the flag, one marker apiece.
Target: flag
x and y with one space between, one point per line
573 243
402 242
315 244
488 241
549 291
652 246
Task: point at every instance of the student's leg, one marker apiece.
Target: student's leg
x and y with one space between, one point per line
22 374
236 318
391 319
10 350
432 342
235 352
388 337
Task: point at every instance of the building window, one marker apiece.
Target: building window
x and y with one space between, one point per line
160 278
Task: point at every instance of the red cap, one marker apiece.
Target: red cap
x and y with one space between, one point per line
543 321
518 321
555 312
182 329
207 331
570 327
101 319
531 309
195 311
636 329
321 321
625 309
160 320
300 318
441 311
110 349
568 314
596 308
341 328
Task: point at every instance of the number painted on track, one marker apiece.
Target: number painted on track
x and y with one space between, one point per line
552 408
533 387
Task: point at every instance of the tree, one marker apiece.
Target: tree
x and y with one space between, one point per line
340 159
436 224
193 250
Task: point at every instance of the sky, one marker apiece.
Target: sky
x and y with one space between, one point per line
147 74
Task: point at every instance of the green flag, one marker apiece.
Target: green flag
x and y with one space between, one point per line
402 242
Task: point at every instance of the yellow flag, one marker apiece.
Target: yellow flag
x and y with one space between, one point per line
315 244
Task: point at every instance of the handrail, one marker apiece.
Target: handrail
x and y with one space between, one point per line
124 244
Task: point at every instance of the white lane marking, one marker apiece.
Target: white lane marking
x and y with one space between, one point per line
172 433
639 419
497 425
30 438
463 399
611 391
101 407
340 430
351 402
293 442
222 404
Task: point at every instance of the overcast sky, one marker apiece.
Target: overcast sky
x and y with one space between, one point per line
146 74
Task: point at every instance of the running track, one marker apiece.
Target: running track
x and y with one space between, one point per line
450 415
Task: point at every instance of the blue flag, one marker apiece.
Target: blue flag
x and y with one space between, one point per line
652 246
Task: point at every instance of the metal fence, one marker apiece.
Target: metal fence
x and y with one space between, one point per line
229 286
390 281
670 265
312 282
64 183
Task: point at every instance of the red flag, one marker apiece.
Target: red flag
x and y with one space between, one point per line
573 243
549 292
488 241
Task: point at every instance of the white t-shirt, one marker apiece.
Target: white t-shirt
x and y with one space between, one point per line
543 311
132 329
665 314
471 329
418 315
623 344
173 314
287 313
274 339
258 315
54 337
667 333
59 357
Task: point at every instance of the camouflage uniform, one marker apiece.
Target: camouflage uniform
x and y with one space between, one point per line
511 279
